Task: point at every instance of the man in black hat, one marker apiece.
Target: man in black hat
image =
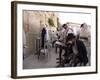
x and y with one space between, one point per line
76 51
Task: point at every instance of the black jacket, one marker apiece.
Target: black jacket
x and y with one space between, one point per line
82 52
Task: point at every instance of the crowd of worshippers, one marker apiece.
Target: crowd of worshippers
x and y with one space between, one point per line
75 52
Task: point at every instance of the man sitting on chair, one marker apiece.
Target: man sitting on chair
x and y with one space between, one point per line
76 50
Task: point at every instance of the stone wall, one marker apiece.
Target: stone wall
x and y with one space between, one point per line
33 22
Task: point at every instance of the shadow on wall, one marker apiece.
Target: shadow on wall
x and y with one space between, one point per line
32 32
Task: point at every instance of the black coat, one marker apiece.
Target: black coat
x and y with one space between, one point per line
43 33
82 52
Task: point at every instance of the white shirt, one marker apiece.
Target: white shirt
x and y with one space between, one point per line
47 34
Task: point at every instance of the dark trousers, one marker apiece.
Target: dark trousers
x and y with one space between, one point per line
42 42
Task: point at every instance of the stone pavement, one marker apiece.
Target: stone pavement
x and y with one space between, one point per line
44 61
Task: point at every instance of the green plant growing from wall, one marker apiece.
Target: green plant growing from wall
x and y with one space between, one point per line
51 22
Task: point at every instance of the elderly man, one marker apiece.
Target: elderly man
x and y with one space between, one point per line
76 51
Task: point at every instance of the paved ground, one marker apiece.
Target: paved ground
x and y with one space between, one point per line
45 61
